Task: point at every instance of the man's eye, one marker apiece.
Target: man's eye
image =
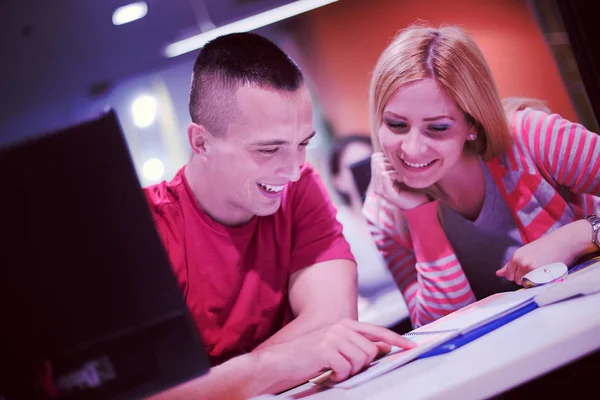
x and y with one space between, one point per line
304 144
268 151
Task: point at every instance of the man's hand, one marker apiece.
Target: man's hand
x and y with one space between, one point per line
344 348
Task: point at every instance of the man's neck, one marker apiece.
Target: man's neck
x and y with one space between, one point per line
211 200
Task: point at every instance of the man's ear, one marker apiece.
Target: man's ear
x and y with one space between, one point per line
199 138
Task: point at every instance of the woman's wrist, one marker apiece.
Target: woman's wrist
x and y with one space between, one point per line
581 238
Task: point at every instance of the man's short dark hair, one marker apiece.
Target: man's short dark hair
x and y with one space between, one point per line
228 62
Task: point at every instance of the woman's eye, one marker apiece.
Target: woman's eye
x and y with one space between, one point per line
268 151
438 128
396 124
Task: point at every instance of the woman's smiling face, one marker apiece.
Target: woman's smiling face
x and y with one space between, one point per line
423 133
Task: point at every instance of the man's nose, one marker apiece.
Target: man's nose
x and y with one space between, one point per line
291 167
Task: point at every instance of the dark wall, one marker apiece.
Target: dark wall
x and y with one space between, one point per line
581 23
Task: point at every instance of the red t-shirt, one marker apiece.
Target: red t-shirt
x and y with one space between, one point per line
235 279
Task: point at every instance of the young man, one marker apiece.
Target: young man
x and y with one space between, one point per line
251 232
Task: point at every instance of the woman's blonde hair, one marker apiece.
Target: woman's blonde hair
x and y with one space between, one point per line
453 59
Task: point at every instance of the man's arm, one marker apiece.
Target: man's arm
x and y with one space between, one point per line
231 380
320 295
344 348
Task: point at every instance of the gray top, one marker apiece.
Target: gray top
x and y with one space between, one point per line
486 244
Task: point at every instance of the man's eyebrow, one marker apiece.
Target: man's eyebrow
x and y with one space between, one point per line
278 142
274 142
312 135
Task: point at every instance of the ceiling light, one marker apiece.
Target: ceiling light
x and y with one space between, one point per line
144 111
153 169
130 12
244 25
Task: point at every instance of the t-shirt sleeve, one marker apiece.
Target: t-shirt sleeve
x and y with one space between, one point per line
316 233
164 221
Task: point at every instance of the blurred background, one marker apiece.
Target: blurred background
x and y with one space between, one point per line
64 61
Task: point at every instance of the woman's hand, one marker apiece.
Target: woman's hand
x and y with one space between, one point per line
387 184
565 244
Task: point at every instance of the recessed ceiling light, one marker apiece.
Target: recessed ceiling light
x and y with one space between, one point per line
153 169
144 111
130 12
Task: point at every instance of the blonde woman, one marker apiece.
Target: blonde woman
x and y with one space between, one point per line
464 201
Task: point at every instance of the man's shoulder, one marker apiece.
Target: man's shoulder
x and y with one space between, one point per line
165 196
307 172
309 187
309 177
307 199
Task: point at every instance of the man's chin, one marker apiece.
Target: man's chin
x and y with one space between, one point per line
267 210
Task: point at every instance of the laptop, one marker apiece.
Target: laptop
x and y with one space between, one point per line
89 306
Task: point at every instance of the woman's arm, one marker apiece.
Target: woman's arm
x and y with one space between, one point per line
428 274
563 150
567 155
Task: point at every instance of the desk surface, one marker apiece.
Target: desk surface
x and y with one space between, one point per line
520 351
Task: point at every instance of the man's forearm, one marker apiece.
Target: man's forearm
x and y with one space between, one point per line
304 324
318 304
238 378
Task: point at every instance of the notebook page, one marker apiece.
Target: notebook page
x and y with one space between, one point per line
479 313
394 359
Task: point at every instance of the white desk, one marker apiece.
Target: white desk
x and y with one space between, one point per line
520 351
386 310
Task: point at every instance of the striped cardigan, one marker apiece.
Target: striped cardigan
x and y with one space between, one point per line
550 177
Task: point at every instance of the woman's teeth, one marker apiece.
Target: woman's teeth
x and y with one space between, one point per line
271 188
416 165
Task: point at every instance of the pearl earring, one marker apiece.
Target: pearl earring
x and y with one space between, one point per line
472 137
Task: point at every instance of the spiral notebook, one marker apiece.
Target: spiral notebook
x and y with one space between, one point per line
494 311
477 319
392 360
432 337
